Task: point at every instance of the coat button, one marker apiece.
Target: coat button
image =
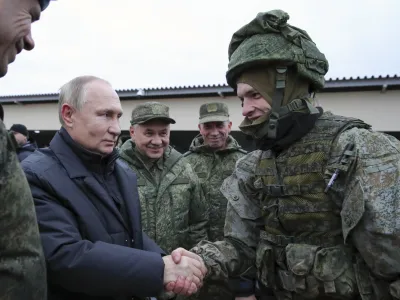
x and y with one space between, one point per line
235 198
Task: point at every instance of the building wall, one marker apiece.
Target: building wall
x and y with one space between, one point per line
378 109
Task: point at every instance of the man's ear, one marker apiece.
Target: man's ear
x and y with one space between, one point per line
131 131
67 112
230 126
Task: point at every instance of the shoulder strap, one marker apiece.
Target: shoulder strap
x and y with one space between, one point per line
187 153
242 150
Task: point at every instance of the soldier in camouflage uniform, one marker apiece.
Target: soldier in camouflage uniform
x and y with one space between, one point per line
23 270
213 155
314 213
174 212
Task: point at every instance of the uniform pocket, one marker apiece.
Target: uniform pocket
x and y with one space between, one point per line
333 268
265 264
300 261
314 271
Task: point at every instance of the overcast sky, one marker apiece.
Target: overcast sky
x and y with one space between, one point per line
153 43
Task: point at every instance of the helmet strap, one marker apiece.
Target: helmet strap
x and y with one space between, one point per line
277 98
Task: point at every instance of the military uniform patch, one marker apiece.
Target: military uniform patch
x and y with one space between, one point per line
212 107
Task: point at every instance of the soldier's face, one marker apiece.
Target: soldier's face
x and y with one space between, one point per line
215 134
151 138
96 126
16 17
253 104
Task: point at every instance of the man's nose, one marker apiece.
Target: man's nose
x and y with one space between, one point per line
247 109
115 128
156 140
214 131
29 43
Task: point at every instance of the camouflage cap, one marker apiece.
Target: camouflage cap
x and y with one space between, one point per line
150 111
214 112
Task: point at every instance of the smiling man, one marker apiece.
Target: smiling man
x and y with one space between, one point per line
174 212
88 207
314 211
213 155
16 18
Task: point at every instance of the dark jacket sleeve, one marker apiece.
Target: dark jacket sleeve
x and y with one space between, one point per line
96 269
150 245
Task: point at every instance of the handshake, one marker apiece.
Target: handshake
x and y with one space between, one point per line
184 272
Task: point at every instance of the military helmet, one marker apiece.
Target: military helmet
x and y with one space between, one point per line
270 39
44 4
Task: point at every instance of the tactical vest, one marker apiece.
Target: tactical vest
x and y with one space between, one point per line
302 252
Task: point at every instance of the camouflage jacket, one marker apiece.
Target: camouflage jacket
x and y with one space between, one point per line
174 212
212 167
23 274
366 262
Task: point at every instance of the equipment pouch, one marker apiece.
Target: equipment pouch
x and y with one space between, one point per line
314 271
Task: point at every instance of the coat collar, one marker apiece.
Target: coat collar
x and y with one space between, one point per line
78 161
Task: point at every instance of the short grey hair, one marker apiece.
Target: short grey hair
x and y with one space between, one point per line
73 93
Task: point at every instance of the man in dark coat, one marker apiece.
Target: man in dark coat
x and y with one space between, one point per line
88 207
25 147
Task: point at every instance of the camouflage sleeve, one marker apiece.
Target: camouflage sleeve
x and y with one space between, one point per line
199 211
23 269
235 255
371 210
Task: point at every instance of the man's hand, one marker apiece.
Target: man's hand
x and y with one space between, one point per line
252 297
178 253
181 254
184 277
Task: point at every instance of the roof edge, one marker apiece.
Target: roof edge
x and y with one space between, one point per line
331 85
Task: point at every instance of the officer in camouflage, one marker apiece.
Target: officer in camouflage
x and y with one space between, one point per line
314 212
174 211
213 155
23 269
